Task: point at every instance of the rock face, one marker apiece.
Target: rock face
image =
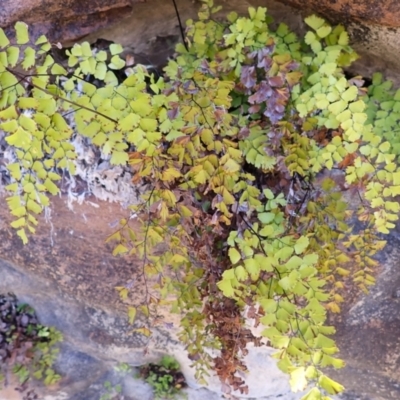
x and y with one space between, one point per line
63 21
374 27
149 28
368 334
68 275
379 12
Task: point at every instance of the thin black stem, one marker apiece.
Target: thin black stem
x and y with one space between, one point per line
182 30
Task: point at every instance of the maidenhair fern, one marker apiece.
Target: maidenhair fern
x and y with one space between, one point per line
232 142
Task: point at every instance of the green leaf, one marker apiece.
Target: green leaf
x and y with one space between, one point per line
21 29
350 94
322 341
131 314
41 40
357 106
9 126
27 102
18 212
51 187
226 287
69 85
59 153
119 158
3 39
384 147
119 249
286 283
141 107
88 66
343 39
12 55
115 49
116 63
266 217
21 233
268 305
276 337
15 170
234 255
33 206
136 136
268 194
284 253
110 79
298 381
313 394
148 124
252 267
328 68
310 38
29 58
101 71
331 386
301 244
18 223
119 103
3 61
86 50
314 22
143 331
129 122
337 107
241 273
324 31
27 123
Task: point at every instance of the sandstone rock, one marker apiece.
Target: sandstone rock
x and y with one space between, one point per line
368 334
68 275
63 21
379 12
149 29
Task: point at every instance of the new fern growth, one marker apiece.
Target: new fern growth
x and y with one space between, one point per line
233 142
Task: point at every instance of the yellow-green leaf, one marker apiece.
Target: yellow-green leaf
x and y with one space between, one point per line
29 58
131 314
301 244
21 233
21 28
3 39
234 255
331 386
298 381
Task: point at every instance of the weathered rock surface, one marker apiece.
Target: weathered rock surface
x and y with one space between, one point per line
63 21
67 274
368 334
151 29
379 12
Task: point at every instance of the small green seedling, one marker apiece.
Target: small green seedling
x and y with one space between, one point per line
165 378
112 392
